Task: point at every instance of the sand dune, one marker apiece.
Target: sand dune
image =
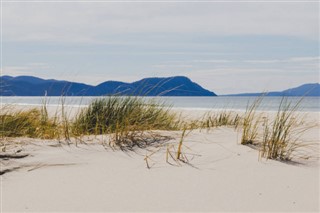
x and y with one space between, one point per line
221 175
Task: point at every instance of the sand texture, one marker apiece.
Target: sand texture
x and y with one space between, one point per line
221 175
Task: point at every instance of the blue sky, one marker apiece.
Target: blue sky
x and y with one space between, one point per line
227 47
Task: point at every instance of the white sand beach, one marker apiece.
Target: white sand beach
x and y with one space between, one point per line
221 175
159 106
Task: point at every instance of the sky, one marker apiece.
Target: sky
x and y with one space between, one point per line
225 46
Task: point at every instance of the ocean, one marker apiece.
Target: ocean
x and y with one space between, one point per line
198 103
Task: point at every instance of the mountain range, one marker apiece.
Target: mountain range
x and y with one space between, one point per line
303 90
171 86
33 86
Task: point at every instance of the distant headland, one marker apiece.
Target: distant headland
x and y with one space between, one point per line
34 86
311 89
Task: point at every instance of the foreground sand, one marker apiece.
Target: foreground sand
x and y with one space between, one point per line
221 175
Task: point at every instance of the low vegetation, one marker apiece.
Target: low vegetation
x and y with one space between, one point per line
250 123
32 123
130 122
218 119
126 119
281 135
279 138
109 115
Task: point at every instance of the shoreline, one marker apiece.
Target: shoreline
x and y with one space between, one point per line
234 103
174 108
56 107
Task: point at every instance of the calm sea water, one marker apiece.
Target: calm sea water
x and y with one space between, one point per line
199 103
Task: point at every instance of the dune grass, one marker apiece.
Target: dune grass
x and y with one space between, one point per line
126 119
279 138
250 123
281 135
108 115
130 122
33 123
218 119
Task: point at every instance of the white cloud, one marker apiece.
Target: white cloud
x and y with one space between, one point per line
96 22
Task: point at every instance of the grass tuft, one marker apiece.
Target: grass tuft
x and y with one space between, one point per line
32 123
281 136
126 118
223 118
250 123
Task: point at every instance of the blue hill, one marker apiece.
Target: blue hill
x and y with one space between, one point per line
303 90
33 86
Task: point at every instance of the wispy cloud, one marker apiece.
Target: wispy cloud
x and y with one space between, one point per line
214 61
166 66
263 61
85 23
236 71
292 60
236 80
304 59
27 69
